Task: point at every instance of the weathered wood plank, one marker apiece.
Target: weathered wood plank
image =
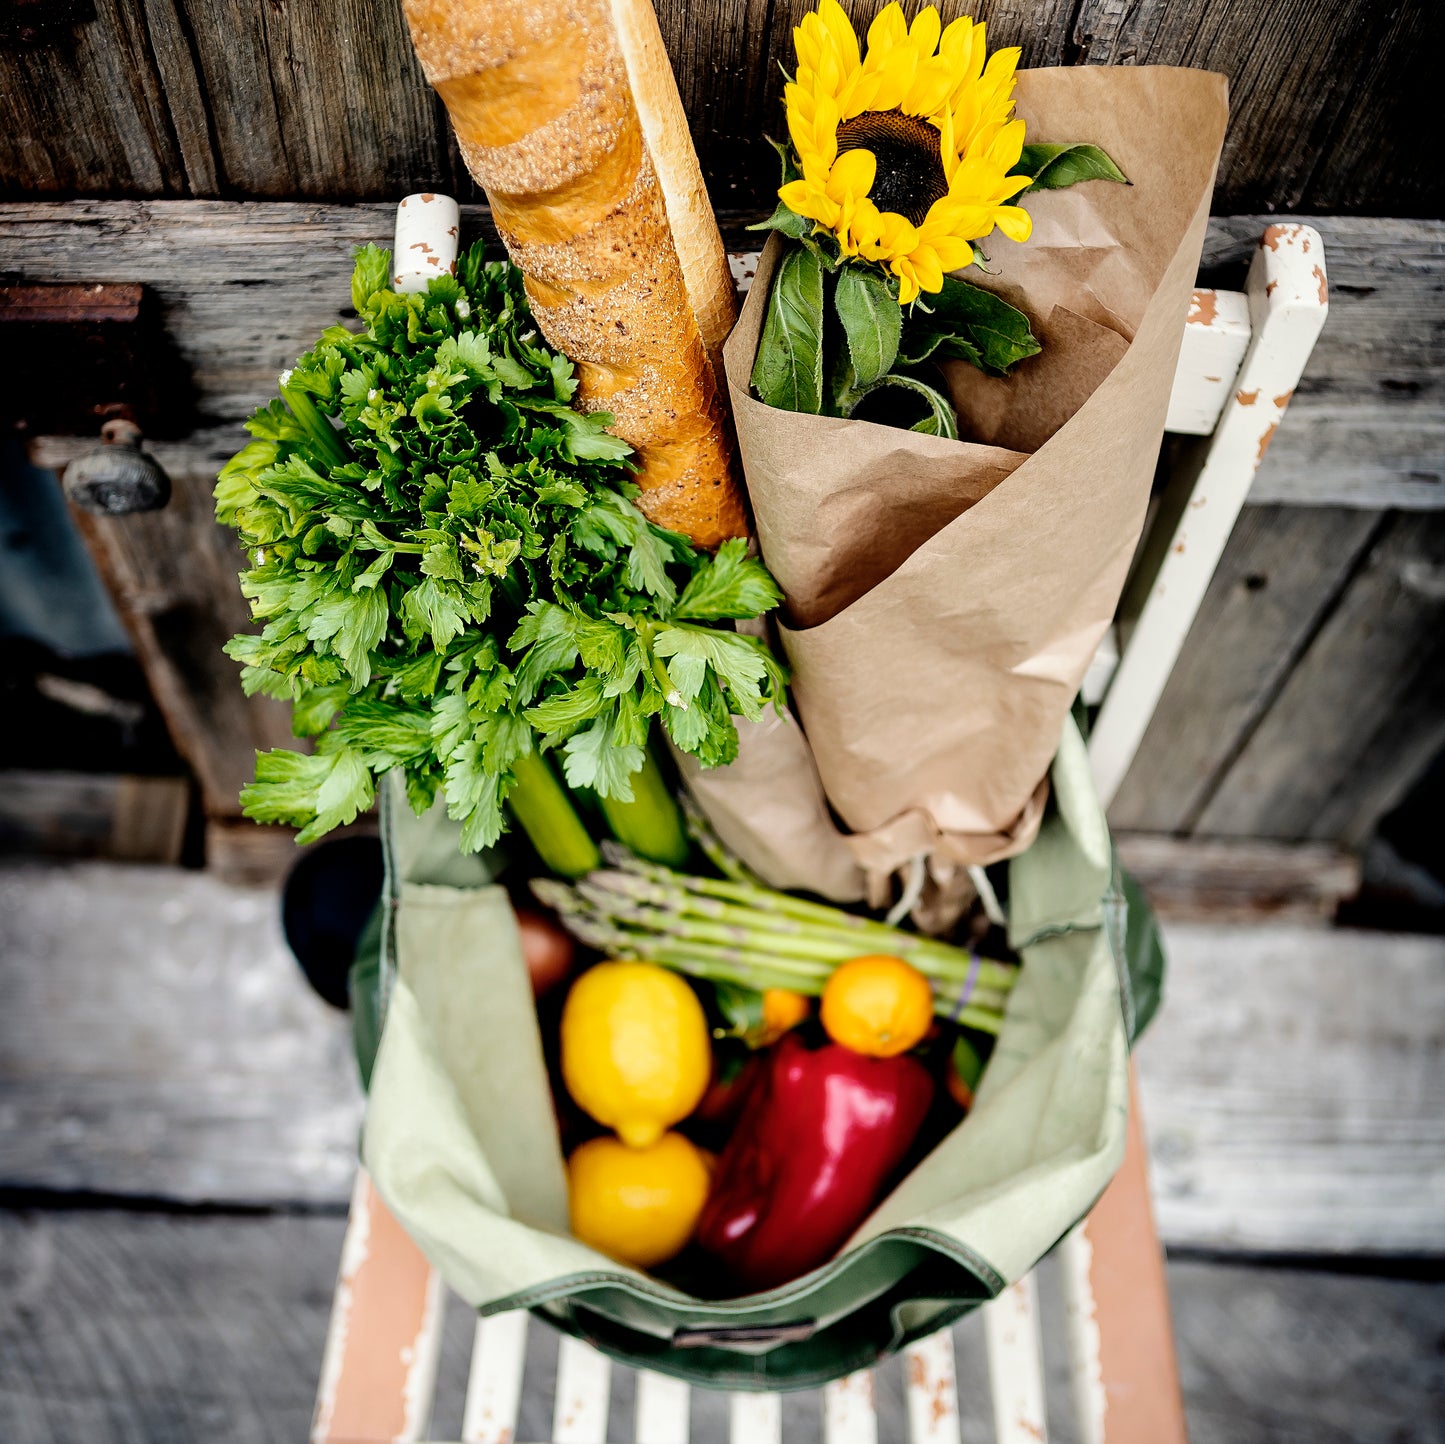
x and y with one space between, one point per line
1282 569
1363 711
305 100
1367 424
215 97
247 287
93 814
1224 881
173 1330
1294 68
159 1041
1294 1091
85 110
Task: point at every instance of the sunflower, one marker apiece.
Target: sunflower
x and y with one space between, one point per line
905 150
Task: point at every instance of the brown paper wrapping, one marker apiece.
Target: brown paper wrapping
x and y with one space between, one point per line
944 598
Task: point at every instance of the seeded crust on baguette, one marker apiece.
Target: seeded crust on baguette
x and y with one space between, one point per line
542 101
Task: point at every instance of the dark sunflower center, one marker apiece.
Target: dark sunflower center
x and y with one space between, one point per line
910 163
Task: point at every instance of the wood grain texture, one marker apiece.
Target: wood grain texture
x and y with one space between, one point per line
158 1040
1366 426
1294 1091
223 97
1282 569
157 1329
1214 880
1362 713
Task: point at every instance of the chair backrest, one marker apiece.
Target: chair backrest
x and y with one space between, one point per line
1241 358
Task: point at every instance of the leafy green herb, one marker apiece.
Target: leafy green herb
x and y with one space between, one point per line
453 575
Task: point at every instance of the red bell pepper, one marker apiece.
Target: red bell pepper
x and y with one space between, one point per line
820 1135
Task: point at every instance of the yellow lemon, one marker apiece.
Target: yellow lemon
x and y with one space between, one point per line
635 1049
877 1005
638 1205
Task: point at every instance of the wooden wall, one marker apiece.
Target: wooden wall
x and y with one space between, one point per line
141 135
289 99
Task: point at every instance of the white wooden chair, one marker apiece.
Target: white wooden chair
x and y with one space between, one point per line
1242 356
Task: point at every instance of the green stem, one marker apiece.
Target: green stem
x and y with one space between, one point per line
541 805
651 824
317 427
814 927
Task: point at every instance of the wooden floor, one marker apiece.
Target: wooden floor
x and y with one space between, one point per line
162 1329
159 1051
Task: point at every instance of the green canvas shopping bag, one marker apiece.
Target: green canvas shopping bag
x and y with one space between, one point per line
461 1139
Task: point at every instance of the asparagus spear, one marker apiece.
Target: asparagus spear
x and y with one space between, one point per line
741 931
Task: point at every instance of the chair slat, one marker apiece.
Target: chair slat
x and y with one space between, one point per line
584 1385
494 1386
1288 301
1216 336
848 1413
378 1372
931 1390
755 1419
1016 1364
661 1409
1126 1377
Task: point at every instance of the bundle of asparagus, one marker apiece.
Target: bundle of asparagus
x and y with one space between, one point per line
736 930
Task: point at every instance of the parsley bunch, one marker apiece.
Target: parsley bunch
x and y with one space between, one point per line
454 577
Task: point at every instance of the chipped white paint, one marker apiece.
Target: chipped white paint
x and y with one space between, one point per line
421 1361
1216 336
931 1390
427 227
1086 1370
494 1386
661 1409
744 266
584 1382
848 1414
755 1419
1288 300
1016 1364
354 1252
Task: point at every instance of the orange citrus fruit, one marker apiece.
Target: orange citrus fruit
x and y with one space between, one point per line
782 1009
877 1005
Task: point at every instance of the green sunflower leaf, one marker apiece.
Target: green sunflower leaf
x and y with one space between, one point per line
788 370
938 420
967 323
1055 166
790 223
872 323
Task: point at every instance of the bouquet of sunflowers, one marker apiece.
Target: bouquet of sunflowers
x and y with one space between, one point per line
690 1016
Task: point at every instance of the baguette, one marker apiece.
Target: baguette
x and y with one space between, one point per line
583 179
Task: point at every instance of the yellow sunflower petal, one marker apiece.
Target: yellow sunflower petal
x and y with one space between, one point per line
808 199
924 32
888 29
895 76
953 253
808 43
907 282
1015 222
853 174
840 28
929 92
